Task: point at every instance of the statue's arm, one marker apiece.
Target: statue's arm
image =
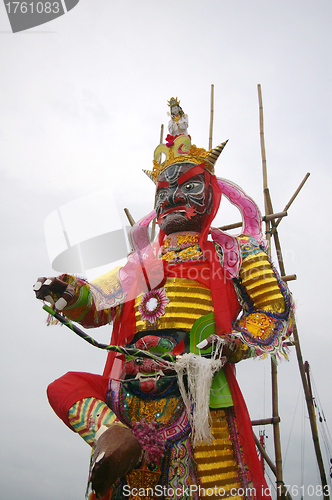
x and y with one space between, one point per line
89 304
265 299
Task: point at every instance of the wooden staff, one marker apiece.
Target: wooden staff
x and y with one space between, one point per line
211 116
127 351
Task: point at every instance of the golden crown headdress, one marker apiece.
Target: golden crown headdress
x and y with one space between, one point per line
173 102
180 150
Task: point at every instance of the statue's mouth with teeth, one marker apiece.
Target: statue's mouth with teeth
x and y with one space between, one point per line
149 375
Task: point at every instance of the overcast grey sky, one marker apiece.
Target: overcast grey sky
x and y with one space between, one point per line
82 99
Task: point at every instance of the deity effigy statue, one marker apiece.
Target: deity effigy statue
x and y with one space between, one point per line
171 422
179 121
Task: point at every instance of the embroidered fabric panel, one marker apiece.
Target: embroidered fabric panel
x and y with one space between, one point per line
142 480
182 468
189 254
95 301
262 333
182 247
188 301
180 241
107 290
166 411
173 426
88 415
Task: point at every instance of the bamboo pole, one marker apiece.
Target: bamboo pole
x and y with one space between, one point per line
153 227
265 218
300 362
268 461
289 277
268 205
262 140
265 421
292 199
273 216
274 371
276 431
129 217
161 133
275 236
265 455
311 413
211 116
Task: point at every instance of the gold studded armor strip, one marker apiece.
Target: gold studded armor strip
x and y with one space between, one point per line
188 301
216 464
261 284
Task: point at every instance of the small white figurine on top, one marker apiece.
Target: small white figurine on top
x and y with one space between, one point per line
178 125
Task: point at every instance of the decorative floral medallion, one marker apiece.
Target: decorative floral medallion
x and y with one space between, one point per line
153 305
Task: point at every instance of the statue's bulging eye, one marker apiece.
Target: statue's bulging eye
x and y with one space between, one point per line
192 186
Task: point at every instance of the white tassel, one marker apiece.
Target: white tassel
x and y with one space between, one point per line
200 372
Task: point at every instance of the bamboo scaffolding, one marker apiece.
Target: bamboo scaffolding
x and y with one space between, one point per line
274 371
274 232
302 370
265 218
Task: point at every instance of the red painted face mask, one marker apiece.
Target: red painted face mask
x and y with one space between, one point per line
183 198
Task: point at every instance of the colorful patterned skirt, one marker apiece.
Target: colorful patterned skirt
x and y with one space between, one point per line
216 470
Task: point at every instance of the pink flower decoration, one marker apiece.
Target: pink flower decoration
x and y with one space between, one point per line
153 305
151 442
170 140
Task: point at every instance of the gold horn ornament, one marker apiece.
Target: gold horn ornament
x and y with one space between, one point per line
215 152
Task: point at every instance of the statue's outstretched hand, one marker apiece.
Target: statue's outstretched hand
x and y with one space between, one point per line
55 291
212 340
